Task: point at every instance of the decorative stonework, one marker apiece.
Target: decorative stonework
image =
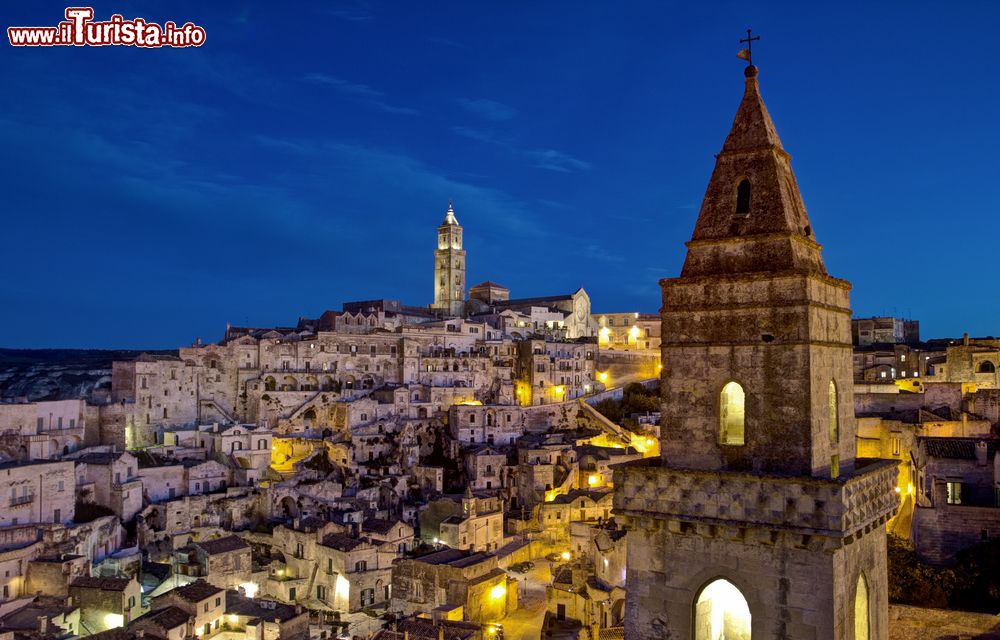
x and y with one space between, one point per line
836 508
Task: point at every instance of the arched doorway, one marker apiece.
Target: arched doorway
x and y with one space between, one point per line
721 613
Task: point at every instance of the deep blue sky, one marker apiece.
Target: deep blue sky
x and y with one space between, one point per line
303 158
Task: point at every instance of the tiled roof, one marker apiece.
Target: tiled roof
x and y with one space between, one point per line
223 545
104 584
167 618
380 526
196 591
237 604
958 448
425 629
342 542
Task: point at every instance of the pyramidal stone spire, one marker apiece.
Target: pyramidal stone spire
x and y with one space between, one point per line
752 218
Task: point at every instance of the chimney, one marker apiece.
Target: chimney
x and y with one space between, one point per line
965 339
981 453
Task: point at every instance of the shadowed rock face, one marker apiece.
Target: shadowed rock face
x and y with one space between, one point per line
58 374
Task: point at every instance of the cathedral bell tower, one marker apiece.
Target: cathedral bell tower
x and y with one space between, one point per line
757 521
449 267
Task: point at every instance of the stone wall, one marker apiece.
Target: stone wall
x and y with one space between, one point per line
940 532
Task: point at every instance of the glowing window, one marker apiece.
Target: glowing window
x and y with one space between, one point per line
743 197
731 414
862 624
834 420
721 613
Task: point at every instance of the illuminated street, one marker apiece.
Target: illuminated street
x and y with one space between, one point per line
526 622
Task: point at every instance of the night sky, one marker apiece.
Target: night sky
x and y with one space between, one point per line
301 159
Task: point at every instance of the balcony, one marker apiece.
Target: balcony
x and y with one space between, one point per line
17 501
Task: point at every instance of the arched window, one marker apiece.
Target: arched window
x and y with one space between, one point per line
834 419
862 610
721 613
731 414
987 367
743 196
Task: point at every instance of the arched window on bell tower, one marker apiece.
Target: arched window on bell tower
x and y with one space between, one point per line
743 197
862 610
731 414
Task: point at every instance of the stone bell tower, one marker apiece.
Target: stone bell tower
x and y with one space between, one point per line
757 520
449 267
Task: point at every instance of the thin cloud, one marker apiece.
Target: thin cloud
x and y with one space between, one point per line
548 159
554 160
488 109
362 92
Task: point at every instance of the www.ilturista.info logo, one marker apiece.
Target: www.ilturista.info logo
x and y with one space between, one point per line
80 30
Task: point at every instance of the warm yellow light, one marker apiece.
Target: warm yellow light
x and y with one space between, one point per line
593 480
250 588
634 332
498 592
659 367
470 403
492 630
233 618
559 390
281 572
898 490
728 613
602 376
565 555
649 442
113 620
343 588
909 488
603 334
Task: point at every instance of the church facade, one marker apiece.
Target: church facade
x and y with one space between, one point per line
757 520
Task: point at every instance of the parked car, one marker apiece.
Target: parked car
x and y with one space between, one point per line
522 567
554 557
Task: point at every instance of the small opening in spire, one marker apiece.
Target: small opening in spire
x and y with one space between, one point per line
743 197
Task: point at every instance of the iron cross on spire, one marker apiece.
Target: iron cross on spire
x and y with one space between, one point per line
749 50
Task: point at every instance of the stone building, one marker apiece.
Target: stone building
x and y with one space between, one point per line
884 329
271 620
42 430
472 522
958 496
106 603
449 267
757 518
112 477
550 372
204 605
630 331
452 580
37 492
223 562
